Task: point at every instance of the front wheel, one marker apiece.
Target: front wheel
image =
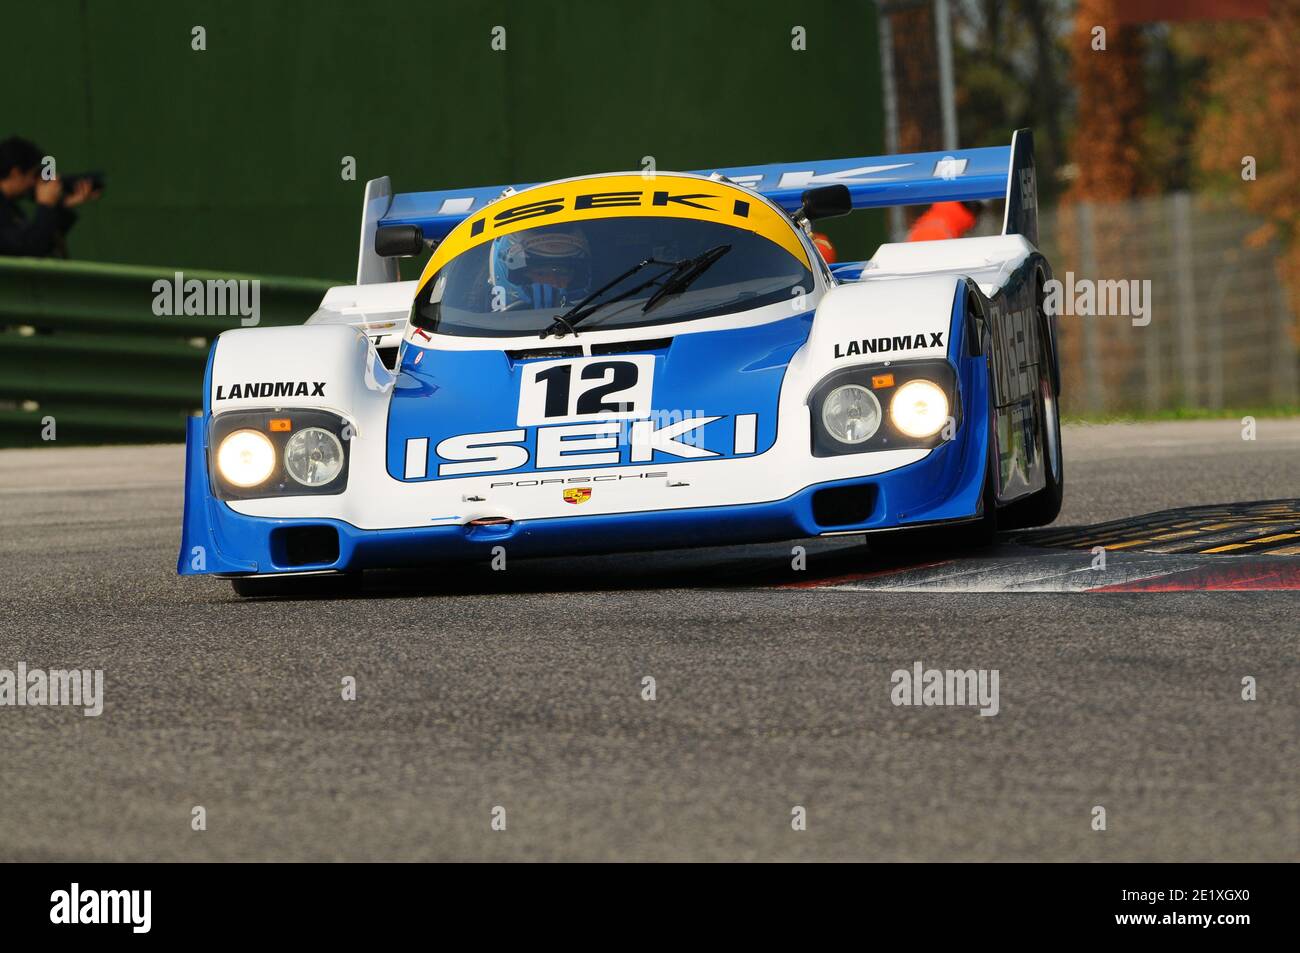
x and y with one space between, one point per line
1044 506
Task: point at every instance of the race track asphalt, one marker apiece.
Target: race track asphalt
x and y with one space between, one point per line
522 689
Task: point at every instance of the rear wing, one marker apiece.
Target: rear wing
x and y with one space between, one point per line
919 178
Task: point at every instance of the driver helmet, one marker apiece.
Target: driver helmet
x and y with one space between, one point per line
544 267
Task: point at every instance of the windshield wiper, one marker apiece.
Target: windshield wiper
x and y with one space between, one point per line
590 304
685 274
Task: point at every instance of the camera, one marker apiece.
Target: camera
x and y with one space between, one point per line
70 182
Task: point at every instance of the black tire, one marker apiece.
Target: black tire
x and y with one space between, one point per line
1043 507
332 585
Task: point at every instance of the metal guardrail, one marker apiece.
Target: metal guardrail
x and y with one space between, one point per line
80 345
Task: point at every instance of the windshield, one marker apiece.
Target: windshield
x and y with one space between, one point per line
517 284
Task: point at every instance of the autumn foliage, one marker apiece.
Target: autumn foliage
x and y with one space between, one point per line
1106 146
1252 110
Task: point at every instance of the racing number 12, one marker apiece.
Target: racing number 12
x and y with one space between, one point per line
586 388
590 401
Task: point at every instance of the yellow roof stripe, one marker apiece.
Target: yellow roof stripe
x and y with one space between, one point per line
612 196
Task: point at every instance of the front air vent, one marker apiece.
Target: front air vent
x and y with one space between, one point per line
843 505
293 546
538 353
597 350
628 347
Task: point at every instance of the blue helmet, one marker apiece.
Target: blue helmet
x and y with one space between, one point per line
542 267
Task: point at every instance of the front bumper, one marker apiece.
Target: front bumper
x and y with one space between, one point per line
944 486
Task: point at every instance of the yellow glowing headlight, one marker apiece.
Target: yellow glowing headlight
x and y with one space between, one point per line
919 409
246 458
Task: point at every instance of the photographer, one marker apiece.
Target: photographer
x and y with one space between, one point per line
41 234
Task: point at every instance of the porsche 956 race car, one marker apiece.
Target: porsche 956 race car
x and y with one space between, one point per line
639 361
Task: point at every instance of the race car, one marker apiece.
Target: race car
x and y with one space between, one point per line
637 361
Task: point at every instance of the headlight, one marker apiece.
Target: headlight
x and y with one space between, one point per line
313 456
919 409
851 413
246 458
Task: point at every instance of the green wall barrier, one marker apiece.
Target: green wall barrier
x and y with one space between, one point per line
232 157
81 346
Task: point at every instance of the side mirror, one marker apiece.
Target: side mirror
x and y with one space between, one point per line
827 201
398 241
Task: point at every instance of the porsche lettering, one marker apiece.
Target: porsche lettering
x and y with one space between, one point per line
598 478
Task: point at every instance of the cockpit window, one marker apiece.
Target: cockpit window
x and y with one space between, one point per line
613 271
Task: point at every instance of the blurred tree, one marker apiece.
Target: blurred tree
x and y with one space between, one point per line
1010 63
1252 109
1107 69
1130 110
1107 161
1175 79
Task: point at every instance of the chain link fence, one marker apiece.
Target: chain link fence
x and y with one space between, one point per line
1218 330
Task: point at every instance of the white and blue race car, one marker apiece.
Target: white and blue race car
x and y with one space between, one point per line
638 361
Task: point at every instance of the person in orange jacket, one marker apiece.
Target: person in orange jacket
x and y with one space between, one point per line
944 220
825 247
941 220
